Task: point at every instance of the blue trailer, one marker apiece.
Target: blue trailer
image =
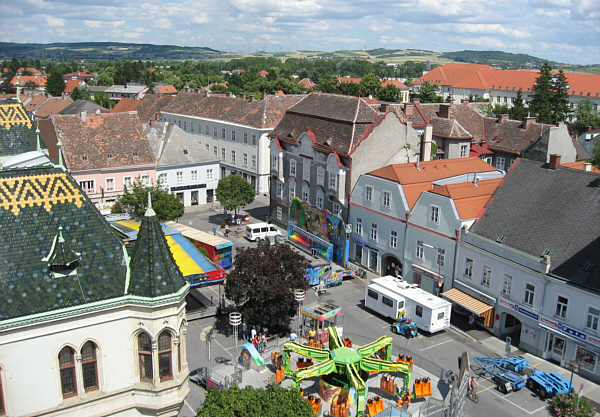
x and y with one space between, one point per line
549 384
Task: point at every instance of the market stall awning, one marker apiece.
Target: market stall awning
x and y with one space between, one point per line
466 301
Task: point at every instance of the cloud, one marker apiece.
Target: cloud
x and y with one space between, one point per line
53 21
484 41
200 18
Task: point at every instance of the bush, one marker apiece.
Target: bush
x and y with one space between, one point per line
564 406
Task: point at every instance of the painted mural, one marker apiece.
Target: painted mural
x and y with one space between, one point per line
322 224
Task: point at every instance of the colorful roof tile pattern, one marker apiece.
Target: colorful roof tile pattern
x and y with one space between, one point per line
17 133
13 114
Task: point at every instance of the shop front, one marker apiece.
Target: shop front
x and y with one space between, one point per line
428 280
474 302
520 323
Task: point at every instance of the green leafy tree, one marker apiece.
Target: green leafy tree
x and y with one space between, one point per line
234 192
263 281
55 83
428 93
369 85
596 152
166 205
389 93
80 93
327 83
541 101
102 99
500 109
274 401
105 79
560 97
586 116
349 89
518 111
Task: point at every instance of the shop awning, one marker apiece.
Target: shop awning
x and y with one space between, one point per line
466 301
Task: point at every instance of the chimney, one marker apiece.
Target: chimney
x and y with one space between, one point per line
97 111
475 179
252 98
444 112
503 118
83 116
228 94
370 96
409 109
587 166
416 101
427 141
383 108
554 161
528 122
243 96
589 128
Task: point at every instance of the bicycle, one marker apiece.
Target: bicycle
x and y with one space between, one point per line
472 395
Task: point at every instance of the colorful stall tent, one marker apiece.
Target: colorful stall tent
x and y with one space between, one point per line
196 269
218 249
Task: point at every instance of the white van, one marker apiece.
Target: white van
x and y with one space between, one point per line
258 231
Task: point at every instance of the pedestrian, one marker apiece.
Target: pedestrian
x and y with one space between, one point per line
255 341
226 230
253 333
215 230
263 343
266 331
244 330
471 319
223 302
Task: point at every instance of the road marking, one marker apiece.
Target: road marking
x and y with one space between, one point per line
189 406
369 316
223 347
503 396
439 344
483 390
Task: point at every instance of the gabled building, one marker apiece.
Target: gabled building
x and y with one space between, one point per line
533 256
234 129
184 166
51 106
99 330
406 217
104 152
117 92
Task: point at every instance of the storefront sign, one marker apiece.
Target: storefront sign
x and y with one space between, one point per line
507 304
425 272
571 331
358 241
549 322
594 340
527 313
474 293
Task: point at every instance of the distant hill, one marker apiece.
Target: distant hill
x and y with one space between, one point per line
106 50
498 59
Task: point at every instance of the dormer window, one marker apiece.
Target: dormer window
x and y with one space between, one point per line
135 154
109 155
62 260
546 252
84 157
185 151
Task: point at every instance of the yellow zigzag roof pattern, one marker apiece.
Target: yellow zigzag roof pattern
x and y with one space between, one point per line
12 115
46 189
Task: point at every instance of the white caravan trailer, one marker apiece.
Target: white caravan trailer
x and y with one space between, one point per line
389 296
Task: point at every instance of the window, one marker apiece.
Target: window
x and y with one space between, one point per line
145 357
87 186
245 160
222 133
222 154
486 276
292 191
233 135
144 179
500 161
386 199
337 209
420 250
179 177
254 139
387 301
372 294
332 180
279 189
359 226
215 150
321 176
506 285
374 232
440 315
441 257
468 267
292 168
185 125
587 358
306 170
591 321
369 193
66 362
110 184
274 164
393 239
561 307
529 293
215 131
419 310
127 182
434 214
253 161
207 131
232 156
305 193
464 151
164 356
209 174
245 138
319 201
279 213
373 255
194 176
89 366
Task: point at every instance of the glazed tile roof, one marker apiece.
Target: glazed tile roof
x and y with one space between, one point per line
262 114
151 106
102 141
53 105
17 132
34 204
538 209
153 269
336 122
469 198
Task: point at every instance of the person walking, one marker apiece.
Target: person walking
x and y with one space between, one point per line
244 330
253 333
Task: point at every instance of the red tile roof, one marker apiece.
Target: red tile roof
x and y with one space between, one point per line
71 84
126 105
53 105
35 101
581 166
306 83
24 79
166 89
398 84
349 80
449 74
469 198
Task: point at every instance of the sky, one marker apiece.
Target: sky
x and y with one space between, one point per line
566 31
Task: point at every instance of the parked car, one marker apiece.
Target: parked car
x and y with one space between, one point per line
259 231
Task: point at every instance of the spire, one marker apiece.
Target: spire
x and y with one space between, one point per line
149 211
37 133
60 156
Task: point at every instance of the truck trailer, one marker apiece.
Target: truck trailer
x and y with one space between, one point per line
389 296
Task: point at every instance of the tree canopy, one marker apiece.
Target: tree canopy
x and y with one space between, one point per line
428 93
518 111
550 101
166 205
55 83
274 401
263 281
587 116
234 192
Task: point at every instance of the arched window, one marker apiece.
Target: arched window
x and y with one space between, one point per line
89 363
66 361
164 355
145 355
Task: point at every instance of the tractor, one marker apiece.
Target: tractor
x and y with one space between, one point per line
404 326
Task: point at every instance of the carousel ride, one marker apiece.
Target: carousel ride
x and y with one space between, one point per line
344 370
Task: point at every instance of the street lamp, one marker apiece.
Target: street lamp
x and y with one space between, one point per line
575 365
235 319
299 297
